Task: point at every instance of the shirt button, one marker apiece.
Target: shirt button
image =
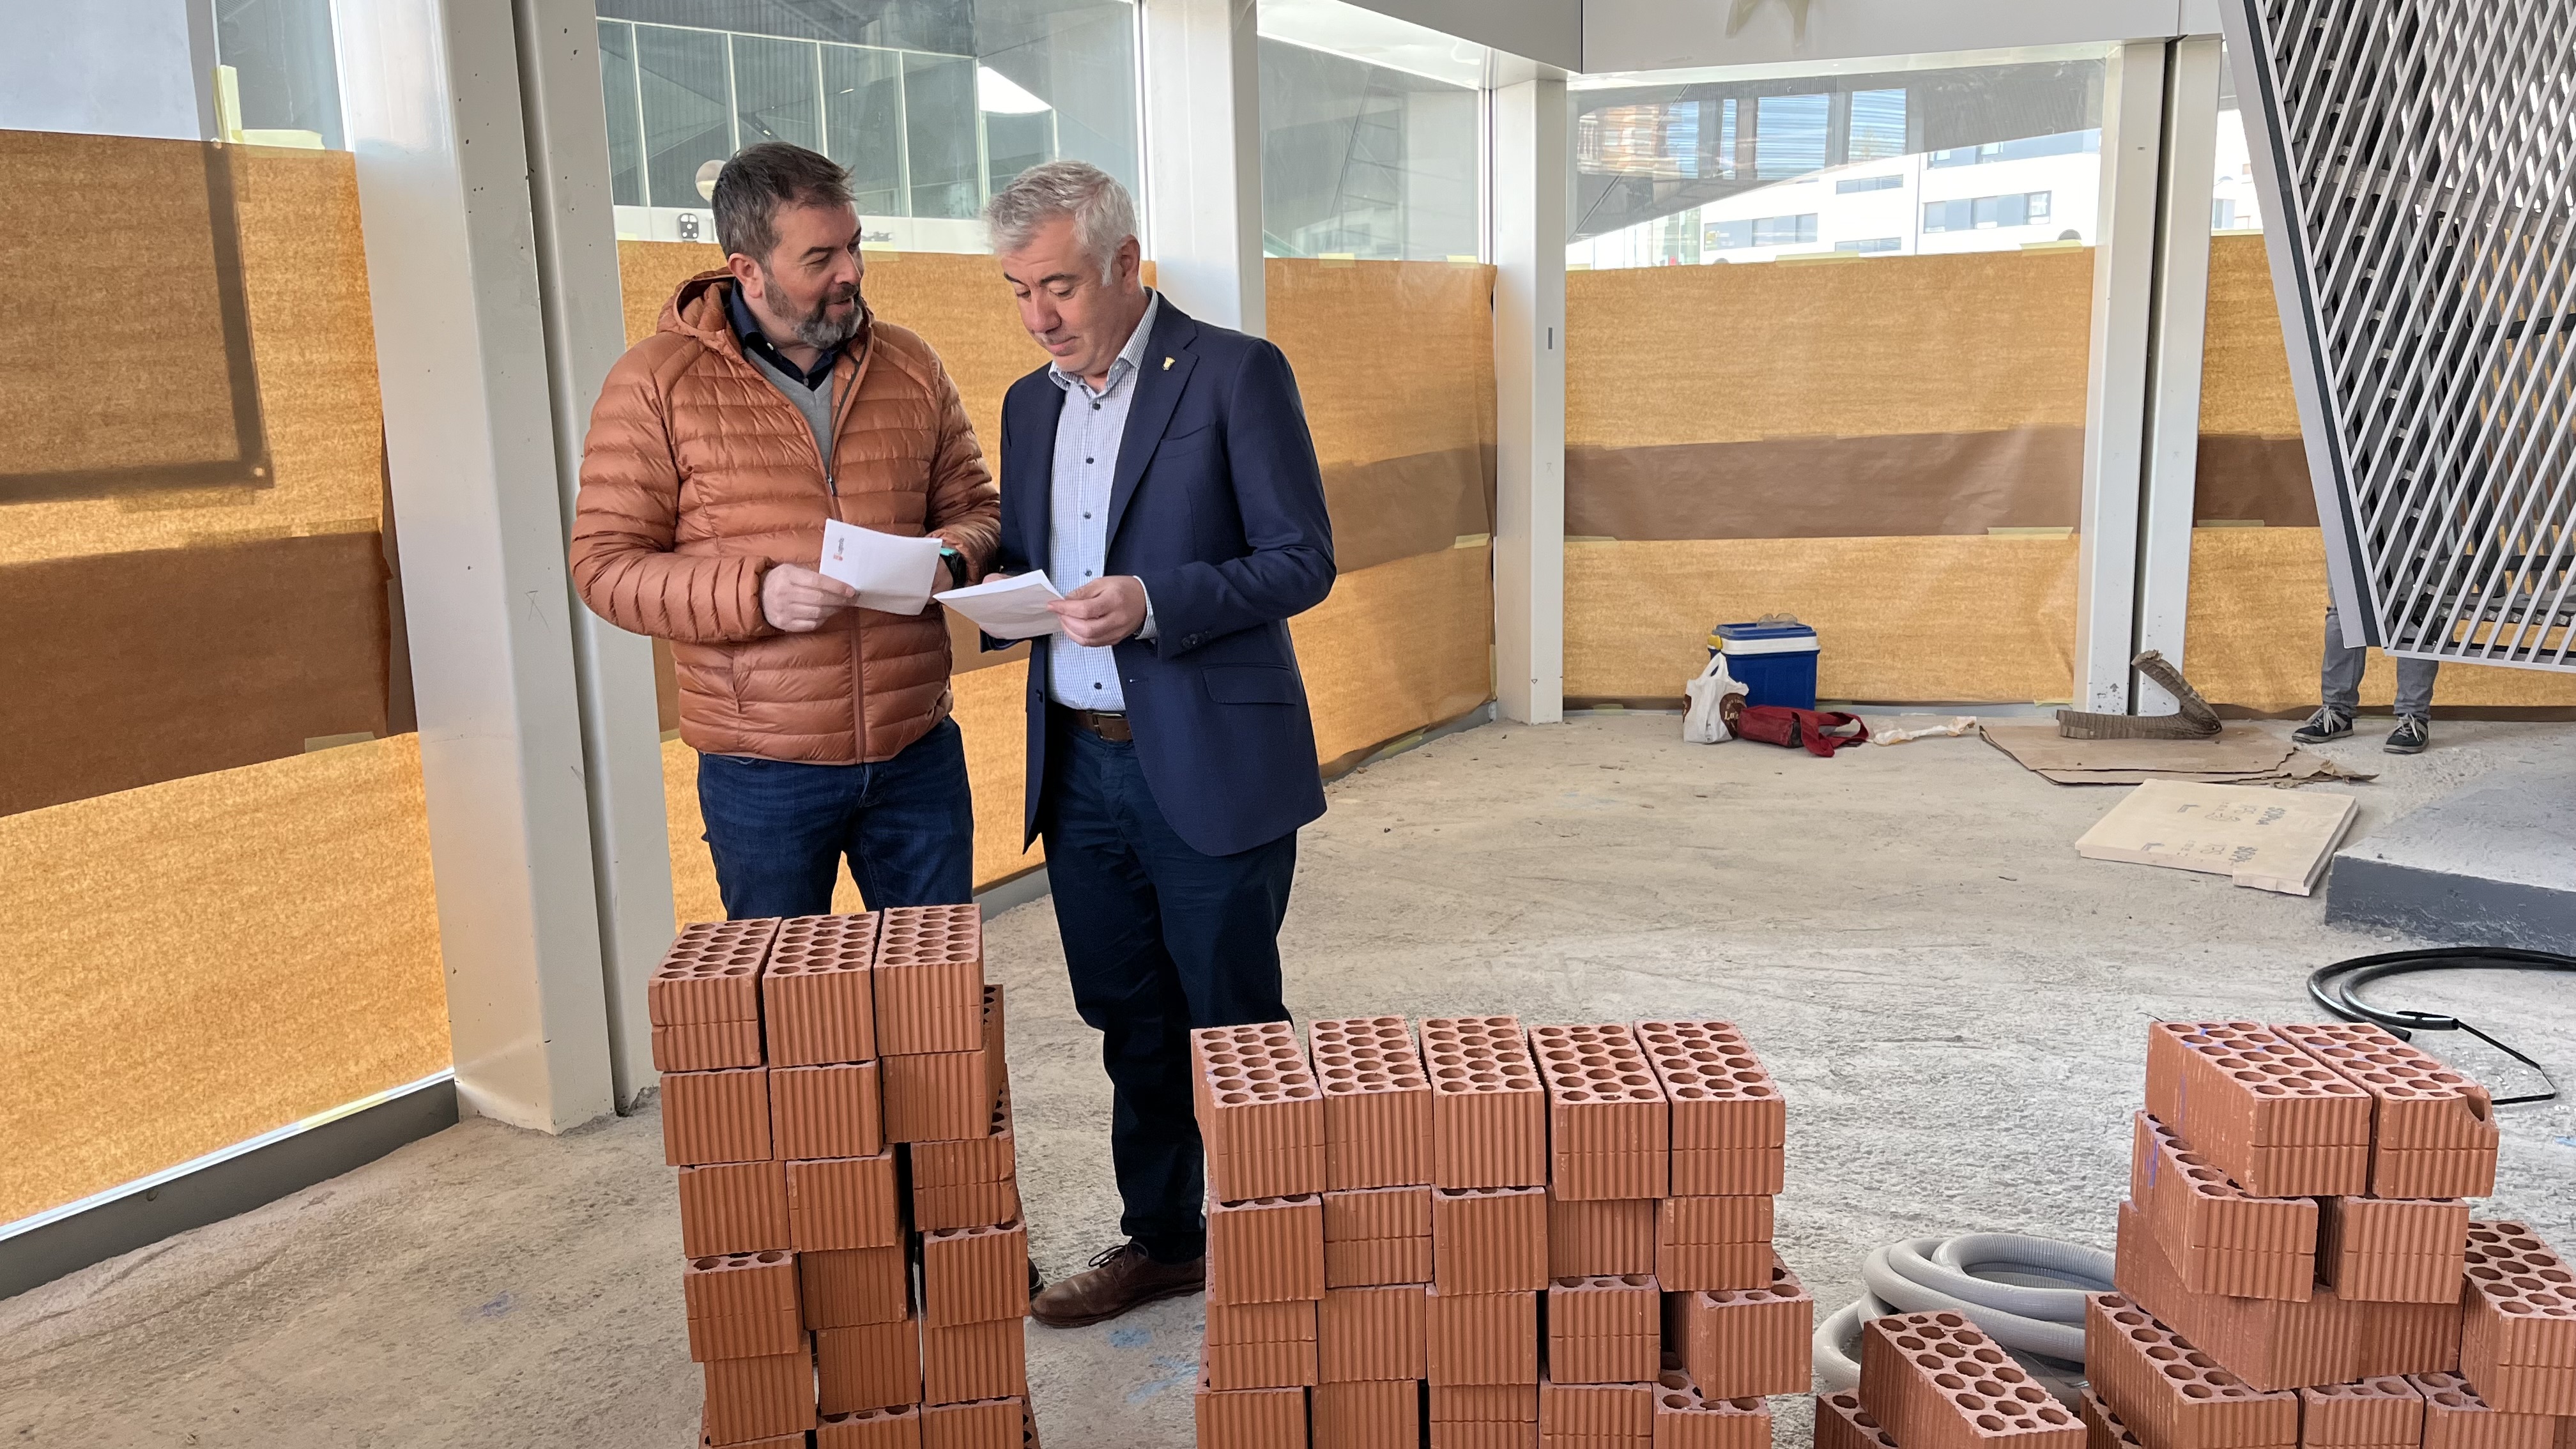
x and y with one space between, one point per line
1090 460
1086 515
1095 686
1095 407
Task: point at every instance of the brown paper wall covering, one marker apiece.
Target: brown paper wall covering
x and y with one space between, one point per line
1398 647
2257 633
199 961
2253 466
1828 487
1939 618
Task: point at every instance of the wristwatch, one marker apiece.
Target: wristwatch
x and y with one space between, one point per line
956 565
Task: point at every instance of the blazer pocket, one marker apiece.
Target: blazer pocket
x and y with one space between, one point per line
1185 445
1250 683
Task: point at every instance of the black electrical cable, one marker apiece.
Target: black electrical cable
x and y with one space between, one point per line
2334 988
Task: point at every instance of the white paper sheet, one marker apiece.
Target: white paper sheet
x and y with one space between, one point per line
891 573
1012 608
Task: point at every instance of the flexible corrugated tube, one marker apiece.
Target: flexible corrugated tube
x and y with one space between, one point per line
2026 1293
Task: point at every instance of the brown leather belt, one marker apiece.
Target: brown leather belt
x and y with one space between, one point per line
1112 727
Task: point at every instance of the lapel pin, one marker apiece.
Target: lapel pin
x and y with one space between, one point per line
1167 364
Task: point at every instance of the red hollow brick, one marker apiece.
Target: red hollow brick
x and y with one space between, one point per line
2392 1250
937 1097
2407 1338
982 1424
742 1305
2433 1131
2518 1340
1261 1345
1686 1419
833 1111
969 1361
966 1205
1488 1109
2170 1393
1937 1382
1377 1103
1621 1413
716 1117
1251 1418
2102 1427
898 1428
1371 1414
2380 1413
1489 1239
867 1366
854 1285
1370 1333
1377 1236
2217 1237
1260 1111
1729 1121
706 1046
2456 1418
733 1207
1605 1238
1712 1242
1480 1339
817 994
969 1275
2277 1121
710 974
1485 1404
929 980
1747 1342
2271 1343
1268 1250
1604 1331
962 1161
1609 1125
749 1399
1841 1423
1450 1434
844 1202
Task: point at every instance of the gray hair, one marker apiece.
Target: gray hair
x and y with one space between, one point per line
1104 215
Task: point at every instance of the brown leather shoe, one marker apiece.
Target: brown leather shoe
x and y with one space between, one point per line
1119 1279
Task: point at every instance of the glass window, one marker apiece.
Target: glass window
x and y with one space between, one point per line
939 134
863 124
687 90
279 52
2233 203
1367 159
1764 231
625 119
776 91
1942 159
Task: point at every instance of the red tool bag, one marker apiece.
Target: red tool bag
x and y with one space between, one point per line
1775 724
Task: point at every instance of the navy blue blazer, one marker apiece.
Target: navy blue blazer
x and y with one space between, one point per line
1218 505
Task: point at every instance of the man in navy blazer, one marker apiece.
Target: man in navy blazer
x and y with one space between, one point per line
1160 471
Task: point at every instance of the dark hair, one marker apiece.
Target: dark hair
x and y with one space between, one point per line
760 179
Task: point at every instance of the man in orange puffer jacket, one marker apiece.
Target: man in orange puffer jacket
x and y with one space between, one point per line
768 401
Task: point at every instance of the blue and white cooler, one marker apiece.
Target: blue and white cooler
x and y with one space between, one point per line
1774 657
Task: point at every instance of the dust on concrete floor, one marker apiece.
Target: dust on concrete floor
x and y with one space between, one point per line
1953 1001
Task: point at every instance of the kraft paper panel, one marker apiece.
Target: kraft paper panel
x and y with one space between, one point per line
1828 487
991 712
1393 359
2254 480
1404 507
1396 648
1982 342
2256 635
304 284
2245 366
200 961
125 670
1950 618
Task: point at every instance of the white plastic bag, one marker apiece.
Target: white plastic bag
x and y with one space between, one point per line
1704 723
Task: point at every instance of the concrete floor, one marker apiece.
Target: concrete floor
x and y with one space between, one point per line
1953 1001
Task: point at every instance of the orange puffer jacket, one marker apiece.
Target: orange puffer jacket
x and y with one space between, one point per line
698 475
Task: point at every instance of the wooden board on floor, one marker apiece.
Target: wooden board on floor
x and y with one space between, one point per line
2269 840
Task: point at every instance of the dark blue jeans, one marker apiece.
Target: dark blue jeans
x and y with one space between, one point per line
778 830
1158 939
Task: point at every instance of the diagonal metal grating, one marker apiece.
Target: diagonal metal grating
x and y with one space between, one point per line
2422 157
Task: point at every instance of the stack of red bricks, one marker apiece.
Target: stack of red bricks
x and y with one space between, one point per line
1492 1238
835 1096
2297 1270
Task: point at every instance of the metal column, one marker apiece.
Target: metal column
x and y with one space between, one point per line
1530 186
2178 331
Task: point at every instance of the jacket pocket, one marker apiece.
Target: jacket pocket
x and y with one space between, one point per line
1185 445
1250 683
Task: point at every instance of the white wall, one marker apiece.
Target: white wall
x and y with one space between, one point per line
106 67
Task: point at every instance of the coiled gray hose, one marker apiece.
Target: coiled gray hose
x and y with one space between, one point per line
2026 1293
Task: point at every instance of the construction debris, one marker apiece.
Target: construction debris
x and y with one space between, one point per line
2242 754
2195 720
2269 842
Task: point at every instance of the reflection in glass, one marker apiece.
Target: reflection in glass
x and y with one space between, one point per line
774 91
940 135
1788 135
625 123
280 52
1363 161
688 110
863 124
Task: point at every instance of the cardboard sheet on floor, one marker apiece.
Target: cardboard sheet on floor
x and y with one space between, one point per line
2240 755
2268 840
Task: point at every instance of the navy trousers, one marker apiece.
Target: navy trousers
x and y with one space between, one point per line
1158 939
779 830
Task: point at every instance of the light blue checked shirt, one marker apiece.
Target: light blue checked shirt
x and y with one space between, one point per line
1087 434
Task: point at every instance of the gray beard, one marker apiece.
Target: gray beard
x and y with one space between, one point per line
816 329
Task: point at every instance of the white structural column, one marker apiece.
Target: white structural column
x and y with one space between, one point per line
430 92
2115 414
1203 158
1529 197
576 255
2179 330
